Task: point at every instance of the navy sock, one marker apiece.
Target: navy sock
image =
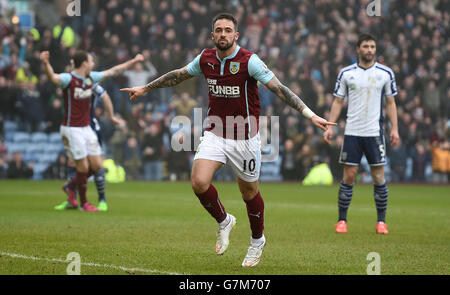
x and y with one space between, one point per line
380 193
99 179
344 199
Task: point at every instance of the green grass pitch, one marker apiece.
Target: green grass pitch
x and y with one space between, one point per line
161 228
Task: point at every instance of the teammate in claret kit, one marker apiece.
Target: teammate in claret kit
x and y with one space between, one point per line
79 139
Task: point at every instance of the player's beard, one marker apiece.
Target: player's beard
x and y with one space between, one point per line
366 59
225 47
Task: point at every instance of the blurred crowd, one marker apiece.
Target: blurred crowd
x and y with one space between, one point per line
305 43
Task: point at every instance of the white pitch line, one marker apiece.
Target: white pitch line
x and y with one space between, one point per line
133 269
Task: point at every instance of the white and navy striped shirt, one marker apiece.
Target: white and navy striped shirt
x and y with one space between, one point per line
365 90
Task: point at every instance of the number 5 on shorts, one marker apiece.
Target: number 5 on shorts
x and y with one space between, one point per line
382 152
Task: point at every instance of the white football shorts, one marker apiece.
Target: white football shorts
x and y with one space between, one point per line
244 156
80 142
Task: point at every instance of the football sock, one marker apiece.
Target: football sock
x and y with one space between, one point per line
380 193
258 242
344 199
225 222
255 212
79 182
210 201
99 179
70 176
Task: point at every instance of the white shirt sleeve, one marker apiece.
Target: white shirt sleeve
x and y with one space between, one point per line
340 90
390 87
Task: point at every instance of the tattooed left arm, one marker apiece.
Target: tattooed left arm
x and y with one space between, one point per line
292 99
286 95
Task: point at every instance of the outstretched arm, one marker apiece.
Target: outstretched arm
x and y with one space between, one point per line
170 79
291 99
54 78
120 69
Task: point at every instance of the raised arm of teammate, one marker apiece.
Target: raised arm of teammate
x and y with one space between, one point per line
291 99
52 76
120 69
336 109
170 79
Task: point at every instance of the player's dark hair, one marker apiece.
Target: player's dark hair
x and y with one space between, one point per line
79 57
225 15
365 37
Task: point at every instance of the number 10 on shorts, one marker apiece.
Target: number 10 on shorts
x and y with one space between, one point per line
251 165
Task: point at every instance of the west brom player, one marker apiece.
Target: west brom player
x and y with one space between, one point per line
364 85
79 139
232 137
100 95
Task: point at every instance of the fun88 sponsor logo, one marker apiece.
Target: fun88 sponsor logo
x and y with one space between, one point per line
82 93
223 90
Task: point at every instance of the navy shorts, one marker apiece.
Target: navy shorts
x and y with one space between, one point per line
354 147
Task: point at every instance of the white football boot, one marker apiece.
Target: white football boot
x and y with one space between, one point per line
223 234
254 252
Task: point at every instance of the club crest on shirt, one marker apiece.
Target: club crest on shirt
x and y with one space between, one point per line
234 67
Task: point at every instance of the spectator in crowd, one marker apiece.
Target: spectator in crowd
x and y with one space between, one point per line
152 152
420 158
397 158
289 167
55 114
440 153
132 159
178 163
58 169
18 169
3 168
304 160
3 149
30 107
117 141
182 106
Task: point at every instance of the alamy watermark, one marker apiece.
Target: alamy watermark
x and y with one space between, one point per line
374 267
374 8
74 8
235 130
74 267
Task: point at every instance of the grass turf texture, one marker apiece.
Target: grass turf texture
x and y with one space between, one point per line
161 226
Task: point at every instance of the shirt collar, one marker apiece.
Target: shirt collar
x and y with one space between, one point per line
374 64
229 56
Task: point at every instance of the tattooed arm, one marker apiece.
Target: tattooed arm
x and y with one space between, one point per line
286 95
170 79
291 99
